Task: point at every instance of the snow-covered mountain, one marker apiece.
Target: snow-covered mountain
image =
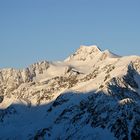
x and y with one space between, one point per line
91 95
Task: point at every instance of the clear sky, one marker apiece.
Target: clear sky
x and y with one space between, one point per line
35 30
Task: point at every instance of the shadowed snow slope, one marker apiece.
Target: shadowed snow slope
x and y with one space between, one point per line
92 94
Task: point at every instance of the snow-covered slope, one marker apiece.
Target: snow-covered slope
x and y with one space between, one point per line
92 94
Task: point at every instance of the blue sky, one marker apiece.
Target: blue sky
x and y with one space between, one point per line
35 30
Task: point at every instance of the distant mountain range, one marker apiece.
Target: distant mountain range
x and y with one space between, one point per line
91 95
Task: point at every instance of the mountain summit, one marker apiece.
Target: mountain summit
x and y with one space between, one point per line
86 53
93 94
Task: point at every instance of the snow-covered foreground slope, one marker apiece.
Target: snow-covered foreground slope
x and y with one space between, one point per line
91 95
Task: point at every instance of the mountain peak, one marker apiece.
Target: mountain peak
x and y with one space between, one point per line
84 53
89 48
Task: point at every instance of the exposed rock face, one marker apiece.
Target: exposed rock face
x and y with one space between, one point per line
90 95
